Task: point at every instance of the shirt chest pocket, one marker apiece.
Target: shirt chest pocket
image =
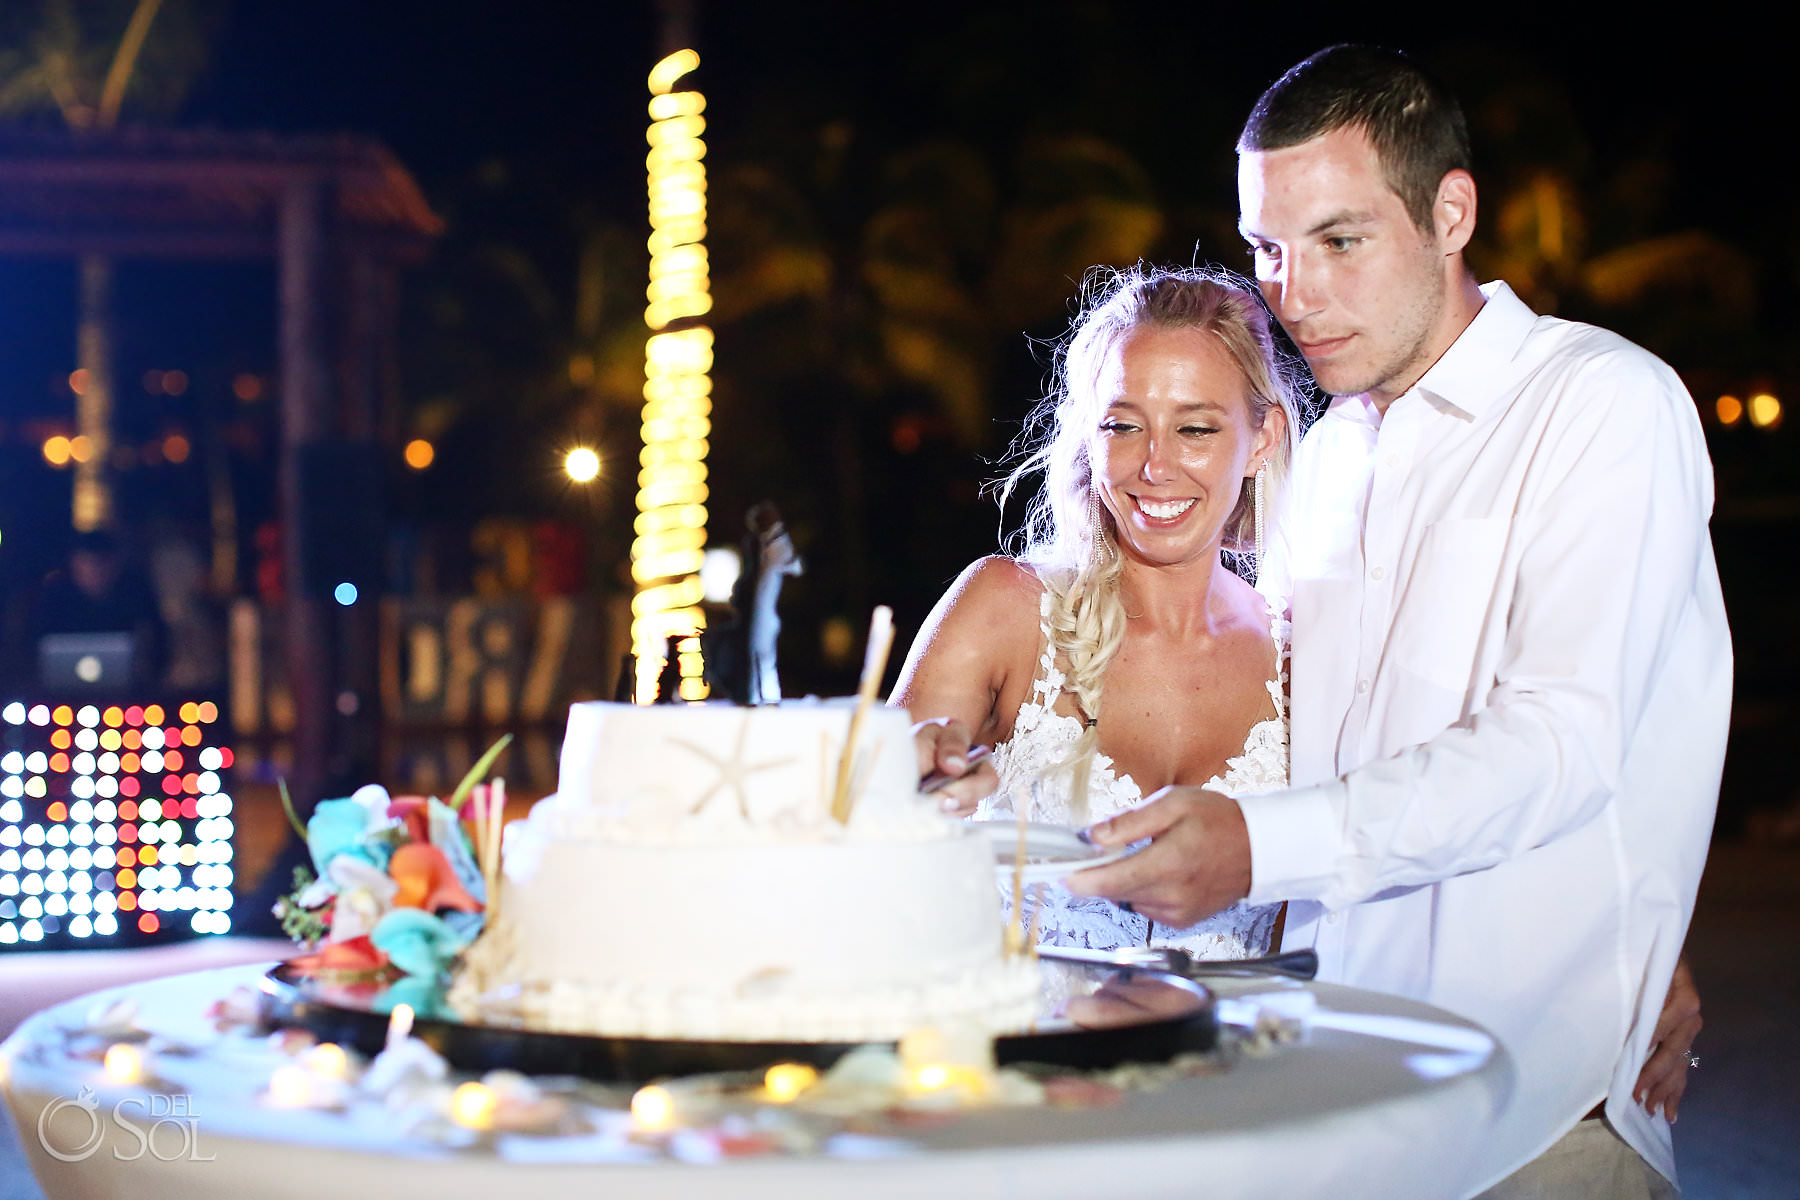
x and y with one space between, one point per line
1451 598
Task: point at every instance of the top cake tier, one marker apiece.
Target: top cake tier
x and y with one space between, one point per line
720 772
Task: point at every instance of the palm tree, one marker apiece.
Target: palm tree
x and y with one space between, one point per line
86 82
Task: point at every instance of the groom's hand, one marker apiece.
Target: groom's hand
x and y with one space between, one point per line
1198 860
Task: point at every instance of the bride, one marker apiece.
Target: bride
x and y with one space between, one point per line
1117 653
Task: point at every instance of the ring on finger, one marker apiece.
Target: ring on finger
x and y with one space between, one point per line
1693 1060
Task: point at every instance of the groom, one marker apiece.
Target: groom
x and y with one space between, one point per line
1511 669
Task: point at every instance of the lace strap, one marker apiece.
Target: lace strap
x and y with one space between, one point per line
1047 685
1280 632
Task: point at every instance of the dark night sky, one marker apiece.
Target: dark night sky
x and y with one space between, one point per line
446 85
560 85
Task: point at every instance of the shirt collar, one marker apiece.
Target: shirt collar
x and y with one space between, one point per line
1477 369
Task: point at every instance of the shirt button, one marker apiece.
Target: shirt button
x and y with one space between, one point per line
1378 573
1362 685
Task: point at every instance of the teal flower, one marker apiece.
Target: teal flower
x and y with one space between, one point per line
354 825
417 942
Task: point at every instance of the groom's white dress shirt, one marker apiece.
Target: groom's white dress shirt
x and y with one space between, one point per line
1511 687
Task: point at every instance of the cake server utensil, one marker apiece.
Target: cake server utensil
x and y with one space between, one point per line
1295 964
938 779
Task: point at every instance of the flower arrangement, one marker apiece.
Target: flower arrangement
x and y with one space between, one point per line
398 885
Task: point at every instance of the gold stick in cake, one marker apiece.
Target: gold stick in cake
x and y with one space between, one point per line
478 823
1015 928
492 834
881 640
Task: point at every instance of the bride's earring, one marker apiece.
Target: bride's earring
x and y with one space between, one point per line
1257 509
1098 550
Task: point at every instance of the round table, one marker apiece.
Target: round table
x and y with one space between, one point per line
1383 1097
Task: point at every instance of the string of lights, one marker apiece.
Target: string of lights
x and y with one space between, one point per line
670 529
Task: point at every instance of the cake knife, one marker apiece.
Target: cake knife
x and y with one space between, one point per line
1296 964
938 779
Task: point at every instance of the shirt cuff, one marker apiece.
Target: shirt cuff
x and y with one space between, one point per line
1293 842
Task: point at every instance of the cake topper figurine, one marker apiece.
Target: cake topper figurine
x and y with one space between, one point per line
774 559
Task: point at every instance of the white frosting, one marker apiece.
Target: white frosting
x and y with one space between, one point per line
688 880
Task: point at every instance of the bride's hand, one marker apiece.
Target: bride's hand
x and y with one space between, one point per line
943 745
1198 860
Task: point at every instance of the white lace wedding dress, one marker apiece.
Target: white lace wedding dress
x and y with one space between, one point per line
1027 764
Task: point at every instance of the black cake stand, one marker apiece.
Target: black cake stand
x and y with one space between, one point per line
1123 1017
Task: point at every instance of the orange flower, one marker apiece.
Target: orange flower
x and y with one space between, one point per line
427 880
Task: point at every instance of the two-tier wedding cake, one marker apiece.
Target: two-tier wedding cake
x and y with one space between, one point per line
690 879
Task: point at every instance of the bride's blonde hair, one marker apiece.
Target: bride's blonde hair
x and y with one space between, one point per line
1068 537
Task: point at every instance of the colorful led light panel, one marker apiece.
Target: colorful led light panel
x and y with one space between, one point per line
115 823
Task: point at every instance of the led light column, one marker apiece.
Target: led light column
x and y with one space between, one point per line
115 825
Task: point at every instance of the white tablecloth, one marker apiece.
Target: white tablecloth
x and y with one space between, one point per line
1384 1098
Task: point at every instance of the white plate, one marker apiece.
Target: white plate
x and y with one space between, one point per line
1051 851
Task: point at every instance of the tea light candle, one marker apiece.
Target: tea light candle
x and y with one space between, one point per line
784 1081
400 1023
291 1086
327 1059
124 1063
653 1108
472 1106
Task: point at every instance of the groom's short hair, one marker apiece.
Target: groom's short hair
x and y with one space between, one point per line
1414 124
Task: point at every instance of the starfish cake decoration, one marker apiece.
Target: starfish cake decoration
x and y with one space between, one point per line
734 770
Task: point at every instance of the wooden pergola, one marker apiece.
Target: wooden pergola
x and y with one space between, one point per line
339 217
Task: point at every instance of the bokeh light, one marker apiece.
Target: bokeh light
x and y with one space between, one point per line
582 465
1729 409
419 454
1765 411
669 549
76 848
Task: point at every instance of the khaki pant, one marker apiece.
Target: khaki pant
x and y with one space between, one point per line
1590 1162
